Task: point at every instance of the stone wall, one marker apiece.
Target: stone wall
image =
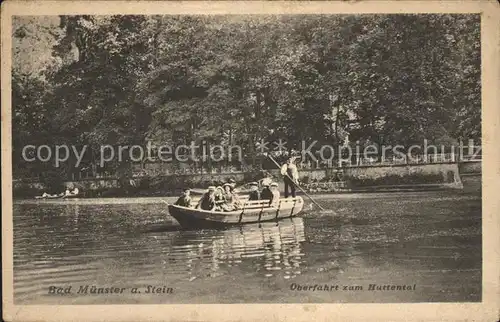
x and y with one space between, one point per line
471 167
439 173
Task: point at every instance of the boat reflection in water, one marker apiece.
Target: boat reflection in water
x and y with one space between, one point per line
265 249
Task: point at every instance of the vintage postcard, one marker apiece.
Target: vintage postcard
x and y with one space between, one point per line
250 161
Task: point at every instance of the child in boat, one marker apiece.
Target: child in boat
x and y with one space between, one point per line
254 191
207 201
185 199
276 195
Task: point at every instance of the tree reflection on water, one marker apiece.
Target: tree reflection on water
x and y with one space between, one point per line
273 246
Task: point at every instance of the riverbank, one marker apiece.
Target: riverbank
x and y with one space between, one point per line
471 183
371 178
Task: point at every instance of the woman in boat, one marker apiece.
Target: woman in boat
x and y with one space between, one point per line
254 191
185 199
207 201
231 200
219 194
219 197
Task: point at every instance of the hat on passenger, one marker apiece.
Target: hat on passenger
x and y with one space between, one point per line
274 184
211 188
266 181
253 183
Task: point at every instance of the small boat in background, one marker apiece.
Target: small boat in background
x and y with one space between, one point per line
63 195
251 212
49 196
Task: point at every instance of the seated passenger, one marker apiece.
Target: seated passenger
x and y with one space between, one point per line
266 181
254 191
276 195
207 201
232 183
185 199
219 195
266 193
219 198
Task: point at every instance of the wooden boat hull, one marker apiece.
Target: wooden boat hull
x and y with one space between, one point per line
251 212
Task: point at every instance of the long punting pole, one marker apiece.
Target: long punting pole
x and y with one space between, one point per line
279 167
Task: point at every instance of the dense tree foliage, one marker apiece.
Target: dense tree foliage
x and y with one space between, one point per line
388 79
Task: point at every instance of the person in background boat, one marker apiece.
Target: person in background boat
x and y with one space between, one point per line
275 195
231 200
71 193
266 193
207 201
185 199
254 191
290 176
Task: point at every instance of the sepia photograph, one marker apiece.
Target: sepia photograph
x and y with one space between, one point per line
237 158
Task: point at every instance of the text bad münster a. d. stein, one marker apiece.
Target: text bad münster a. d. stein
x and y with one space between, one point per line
92 289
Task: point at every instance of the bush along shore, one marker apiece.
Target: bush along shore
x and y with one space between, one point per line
373 179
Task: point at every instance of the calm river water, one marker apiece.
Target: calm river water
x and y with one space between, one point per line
430 242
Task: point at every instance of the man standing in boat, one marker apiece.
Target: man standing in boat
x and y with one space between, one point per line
290 176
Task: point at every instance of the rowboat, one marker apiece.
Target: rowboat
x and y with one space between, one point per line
251 212
60 196
50 197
